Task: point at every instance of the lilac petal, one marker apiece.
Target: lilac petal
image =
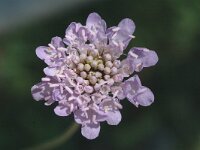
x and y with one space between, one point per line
143 57
61 111
96 27
136 93
128 67
115 50
90 132
57 42
131 86
76 34
151 59
41 52
120 93
83 34
36 93
127 25
42 91
71 34
50 71
78 116
119 37
114 117
94 21
145 97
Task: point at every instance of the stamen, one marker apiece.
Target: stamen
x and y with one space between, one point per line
46 79
62 49
116 29
94 119
61 89
69 90
53 85
133 54
71 107
50 45
47 98
132 36
118 105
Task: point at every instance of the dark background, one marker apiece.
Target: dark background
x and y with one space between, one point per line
170 27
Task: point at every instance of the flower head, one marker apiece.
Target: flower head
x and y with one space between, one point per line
85 76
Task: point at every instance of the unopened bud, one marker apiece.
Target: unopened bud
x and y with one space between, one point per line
80 67
83 74
87 67
101 67
107 70
109 64
107 57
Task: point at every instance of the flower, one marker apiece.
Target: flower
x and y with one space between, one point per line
85 76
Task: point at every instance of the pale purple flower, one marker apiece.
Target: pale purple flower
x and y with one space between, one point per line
85 76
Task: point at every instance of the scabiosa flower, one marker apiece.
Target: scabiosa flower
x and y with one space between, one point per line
85 76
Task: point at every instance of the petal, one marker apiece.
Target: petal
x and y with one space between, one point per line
121 36
71 35
96 27
127 25
76 34
132 85
114 117
151 59
90 132
143 57
36 93
115 50
50 71
95 21
83 34
145 97
128 67
61 111
118 89
41 52
80 117
57 42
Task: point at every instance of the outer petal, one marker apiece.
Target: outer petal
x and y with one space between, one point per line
95 22
90 132
51 55
42 91
75 34
136 93
131 86
143 57
36 93
119 37
50 71
127 25
128 67
42 52
97 28
81 118
119 91
114 117
145 97
62 110
57 42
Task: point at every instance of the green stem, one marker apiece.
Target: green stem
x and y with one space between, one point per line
51 144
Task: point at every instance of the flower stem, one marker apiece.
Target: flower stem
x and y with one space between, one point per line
51 144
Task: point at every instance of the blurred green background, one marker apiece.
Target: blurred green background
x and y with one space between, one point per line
170 27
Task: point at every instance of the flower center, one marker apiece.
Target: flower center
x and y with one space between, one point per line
94 69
